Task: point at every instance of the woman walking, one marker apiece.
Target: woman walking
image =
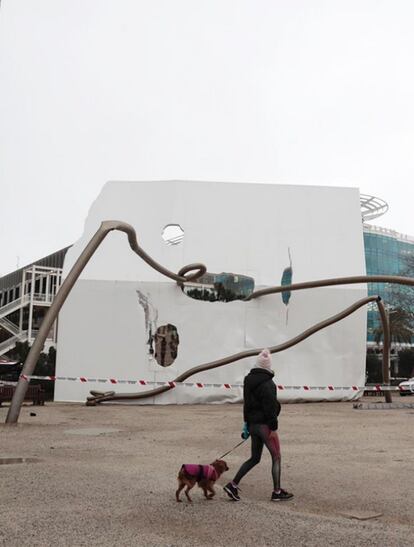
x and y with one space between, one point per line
261 409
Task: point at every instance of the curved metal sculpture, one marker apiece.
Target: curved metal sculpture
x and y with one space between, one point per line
104 229
98 397
185 275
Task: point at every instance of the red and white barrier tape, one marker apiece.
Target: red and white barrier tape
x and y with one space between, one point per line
84 379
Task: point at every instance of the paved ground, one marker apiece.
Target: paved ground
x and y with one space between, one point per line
117 488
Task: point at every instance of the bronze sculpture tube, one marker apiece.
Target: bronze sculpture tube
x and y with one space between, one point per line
385 350
249 353
399 280
66 287
180 278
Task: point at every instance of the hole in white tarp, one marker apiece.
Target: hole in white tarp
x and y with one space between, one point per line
166 342
172 234
162 341
222 287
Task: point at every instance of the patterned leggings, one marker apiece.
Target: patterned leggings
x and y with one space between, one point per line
260 436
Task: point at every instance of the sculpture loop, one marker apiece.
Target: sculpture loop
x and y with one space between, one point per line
200 270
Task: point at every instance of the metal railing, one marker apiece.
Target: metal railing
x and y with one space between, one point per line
14 305
44 298
20 302
8 325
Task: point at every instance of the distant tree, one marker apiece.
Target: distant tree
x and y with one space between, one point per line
402 296
409 264
204 294
226 295
401 327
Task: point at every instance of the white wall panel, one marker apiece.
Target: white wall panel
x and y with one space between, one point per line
240 228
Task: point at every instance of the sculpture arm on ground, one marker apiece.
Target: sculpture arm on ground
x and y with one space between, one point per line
97 397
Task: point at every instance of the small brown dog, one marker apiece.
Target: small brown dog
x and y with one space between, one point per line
204 475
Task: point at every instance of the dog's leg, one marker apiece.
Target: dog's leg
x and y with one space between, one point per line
212 492
186 492
204 487
181 485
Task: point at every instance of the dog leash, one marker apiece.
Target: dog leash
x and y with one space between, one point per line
234 448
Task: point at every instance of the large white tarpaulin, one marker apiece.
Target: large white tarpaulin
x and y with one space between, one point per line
255 230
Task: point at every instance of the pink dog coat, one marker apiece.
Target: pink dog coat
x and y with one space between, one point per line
200 472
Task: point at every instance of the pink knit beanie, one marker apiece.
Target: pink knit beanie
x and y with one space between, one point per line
264 359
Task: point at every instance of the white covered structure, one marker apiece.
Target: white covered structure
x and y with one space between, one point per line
245 229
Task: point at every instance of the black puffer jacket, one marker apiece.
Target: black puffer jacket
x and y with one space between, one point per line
260 398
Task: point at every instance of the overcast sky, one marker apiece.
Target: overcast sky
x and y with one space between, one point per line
290 91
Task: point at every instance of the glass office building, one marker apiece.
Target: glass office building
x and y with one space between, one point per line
386 252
